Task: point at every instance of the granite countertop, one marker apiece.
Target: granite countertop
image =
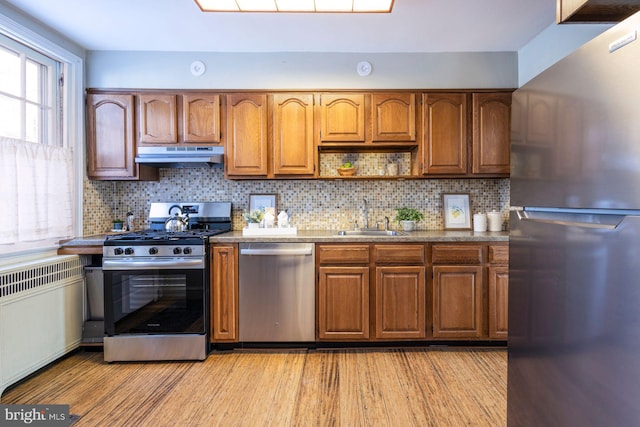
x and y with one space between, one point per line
331 236
85 245
93 244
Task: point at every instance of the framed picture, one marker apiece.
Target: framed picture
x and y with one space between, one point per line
263 201
456 212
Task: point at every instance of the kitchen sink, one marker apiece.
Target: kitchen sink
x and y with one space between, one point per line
370 232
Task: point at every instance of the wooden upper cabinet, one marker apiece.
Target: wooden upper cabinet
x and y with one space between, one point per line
393 117
342 117
111 139
491 140
246 145
157 119
293 143
444 145
590 11
201 118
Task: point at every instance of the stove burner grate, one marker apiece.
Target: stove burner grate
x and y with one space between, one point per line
153 235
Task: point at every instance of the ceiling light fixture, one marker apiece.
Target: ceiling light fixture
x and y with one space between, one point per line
296 6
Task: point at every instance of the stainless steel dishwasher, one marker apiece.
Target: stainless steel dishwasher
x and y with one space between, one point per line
277 292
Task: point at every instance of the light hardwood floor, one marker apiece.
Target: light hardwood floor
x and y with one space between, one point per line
346 387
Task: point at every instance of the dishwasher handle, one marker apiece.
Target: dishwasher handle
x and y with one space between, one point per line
298 250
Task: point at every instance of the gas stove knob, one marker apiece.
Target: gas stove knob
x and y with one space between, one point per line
118 251
128 251
177 251
153 251
187 251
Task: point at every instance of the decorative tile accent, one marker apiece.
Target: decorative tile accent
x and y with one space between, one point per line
313 204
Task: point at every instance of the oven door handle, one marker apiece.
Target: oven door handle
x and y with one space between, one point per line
155 263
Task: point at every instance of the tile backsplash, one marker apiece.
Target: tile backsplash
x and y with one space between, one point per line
313 204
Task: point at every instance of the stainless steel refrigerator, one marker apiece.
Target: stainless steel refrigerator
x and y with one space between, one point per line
574 270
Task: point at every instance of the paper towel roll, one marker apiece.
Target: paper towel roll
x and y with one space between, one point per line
479 222
494 220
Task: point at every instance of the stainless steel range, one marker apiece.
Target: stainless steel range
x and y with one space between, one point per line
157 284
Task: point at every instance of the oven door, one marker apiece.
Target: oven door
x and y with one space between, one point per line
155 301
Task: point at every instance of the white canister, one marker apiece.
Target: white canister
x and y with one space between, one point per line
479 222
392 169
494 220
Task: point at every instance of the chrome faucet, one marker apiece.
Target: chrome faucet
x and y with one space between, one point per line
366 214
386 223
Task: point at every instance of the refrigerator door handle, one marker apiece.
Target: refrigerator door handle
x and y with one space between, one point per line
603 222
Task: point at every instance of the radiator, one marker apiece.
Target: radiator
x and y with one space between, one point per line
41 314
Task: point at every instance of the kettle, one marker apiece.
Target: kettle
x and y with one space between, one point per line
177 222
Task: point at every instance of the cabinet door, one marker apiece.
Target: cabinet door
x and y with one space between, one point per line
403 254
342 254
343 303
393 117
342 117
457 301
157 119
400 302
224 294
444 149
293 149
201 118
111 139
491 135
246 135
498 302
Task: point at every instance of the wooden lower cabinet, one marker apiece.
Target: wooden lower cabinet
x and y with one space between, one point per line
457 301
371 292
469 291
400 302
380 292
498 302
224 293
343 303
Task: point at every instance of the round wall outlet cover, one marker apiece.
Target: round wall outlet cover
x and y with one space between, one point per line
197 68
364 68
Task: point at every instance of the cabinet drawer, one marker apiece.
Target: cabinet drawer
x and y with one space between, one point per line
343 254
456 254
399 254
498 254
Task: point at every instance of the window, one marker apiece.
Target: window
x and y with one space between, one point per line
37 167
29 94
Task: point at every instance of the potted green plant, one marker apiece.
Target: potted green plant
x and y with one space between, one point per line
407 218
253 218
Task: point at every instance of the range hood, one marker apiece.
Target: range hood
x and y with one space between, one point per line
180 156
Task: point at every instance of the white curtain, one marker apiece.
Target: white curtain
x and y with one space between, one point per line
36 183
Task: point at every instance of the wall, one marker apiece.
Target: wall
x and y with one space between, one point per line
313 204
553 44
302 70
